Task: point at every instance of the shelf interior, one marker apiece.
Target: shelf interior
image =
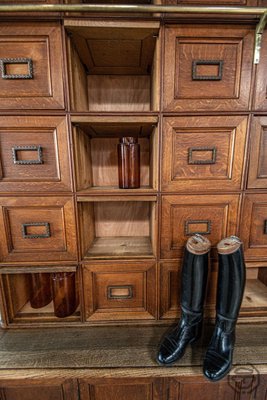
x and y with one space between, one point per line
113 67
117 228
19 290
95 152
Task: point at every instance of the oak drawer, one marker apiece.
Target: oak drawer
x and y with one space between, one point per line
37 229
207 68
203 152
34 154
254 226
260 95
31 66
257 175
182 216
120 291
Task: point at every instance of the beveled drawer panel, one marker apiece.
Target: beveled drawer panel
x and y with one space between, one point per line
31 66
34 154
260 95
207 68
203 152
182 216
119 290
254 226
37 229
257 176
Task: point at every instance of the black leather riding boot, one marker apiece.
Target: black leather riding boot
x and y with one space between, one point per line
230 289
193 288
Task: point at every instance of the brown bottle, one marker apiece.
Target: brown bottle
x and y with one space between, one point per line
129 163
64 293
40 286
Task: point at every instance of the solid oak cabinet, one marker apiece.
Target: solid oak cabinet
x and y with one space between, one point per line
71 88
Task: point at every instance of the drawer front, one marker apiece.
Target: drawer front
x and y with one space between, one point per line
182 216
37 229
120 389
34 154
257 176
203 152
207 68
119 291
254 226
260 95
31 66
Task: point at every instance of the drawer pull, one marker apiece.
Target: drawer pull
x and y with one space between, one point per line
193 150
196 76
265 227
194 226
4 62
120 292
26 235
38 160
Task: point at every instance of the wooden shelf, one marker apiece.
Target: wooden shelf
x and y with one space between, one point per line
117 226
118 247
118 347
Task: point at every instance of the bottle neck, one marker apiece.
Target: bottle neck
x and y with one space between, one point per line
129 140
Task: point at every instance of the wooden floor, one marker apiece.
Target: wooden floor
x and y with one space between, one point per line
114 348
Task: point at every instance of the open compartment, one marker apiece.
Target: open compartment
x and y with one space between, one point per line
113 66
254 302
33 295
255 297
95 141
117 227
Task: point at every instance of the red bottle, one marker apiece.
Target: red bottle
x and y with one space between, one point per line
129 163
40 286
64 293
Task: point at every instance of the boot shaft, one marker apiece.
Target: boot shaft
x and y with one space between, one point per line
195 273
231 277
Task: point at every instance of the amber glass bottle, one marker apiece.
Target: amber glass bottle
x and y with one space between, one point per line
40 286
64 293
129 163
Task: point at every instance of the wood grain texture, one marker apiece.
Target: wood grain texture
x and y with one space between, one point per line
120 93
116 347
252 228
214 215
260 87
203 152
58 212
257 164
41 43
184 45
120 247
136 302
53 171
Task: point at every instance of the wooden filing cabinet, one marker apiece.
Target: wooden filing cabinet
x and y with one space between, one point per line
189 93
